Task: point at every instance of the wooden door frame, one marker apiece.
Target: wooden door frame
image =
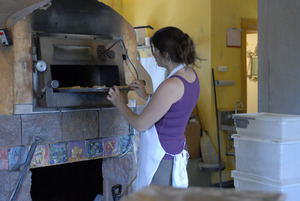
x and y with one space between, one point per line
246 25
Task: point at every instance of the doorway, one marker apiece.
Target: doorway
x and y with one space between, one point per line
249 85
251 72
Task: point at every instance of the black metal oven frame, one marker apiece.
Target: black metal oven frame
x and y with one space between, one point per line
75 61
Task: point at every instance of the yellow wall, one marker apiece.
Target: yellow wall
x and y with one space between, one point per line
115 4
193 17
206 21
227 14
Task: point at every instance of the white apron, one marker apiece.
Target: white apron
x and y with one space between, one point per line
151 153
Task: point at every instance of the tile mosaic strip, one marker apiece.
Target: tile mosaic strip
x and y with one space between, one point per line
125 142
41 156
76 151
3 159
94 148
17 157
57 153
110 146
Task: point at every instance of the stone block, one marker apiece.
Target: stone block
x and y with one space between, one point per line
46 126
113 123
122 169
79 125
24 191
107 189
4 186
10 130
8 182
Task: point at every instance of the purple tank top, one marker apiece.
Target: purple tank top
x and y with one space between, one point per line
171 126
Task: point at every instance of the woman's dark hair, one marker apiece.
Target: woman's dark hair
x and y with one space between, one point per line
178 45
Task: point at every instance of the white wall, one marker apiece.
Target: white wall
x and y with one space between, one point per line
252 85
157 74
279 56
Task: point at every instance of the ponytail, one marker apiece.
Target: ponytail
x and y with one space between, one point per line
178 45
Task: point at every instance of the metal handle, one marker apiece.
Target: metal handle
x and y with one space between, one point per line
54 84
116 192
40 66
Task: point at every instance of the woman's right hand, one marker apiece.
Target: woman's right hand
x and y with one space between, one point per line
139 87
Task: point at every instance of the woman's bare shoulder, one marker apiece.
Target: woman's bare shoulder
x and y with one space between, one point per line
171 88
171 83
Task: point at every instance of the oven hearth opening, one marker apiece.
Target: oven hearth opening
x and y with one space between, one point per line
68 182
85 76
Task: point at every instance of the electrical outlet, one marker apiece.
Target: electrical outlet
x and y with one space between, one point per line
5 37
222 68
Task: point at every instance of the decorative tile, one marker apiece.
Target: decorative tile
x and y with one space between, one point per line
17 157
40 156
58 153
111 146
124 143
76 150
94 148
3 159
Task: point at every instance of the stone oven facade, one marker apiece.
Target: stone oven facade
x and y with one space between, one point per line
66 135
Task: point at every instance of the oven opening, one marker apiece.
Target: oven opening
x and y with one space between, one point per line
68 182
85 76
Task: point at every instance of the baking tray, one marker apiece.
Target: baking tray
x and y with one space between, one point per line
89 90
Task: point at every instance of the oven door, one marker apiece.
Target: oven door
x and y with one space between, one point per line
76 71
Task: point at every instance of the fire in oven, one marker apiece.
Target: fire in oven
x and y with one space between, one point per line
76 71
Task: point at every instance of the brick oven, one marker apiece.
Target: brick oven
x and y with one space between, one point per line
64 56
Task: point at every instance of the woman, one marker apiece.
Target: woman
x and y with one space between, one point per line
162 154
